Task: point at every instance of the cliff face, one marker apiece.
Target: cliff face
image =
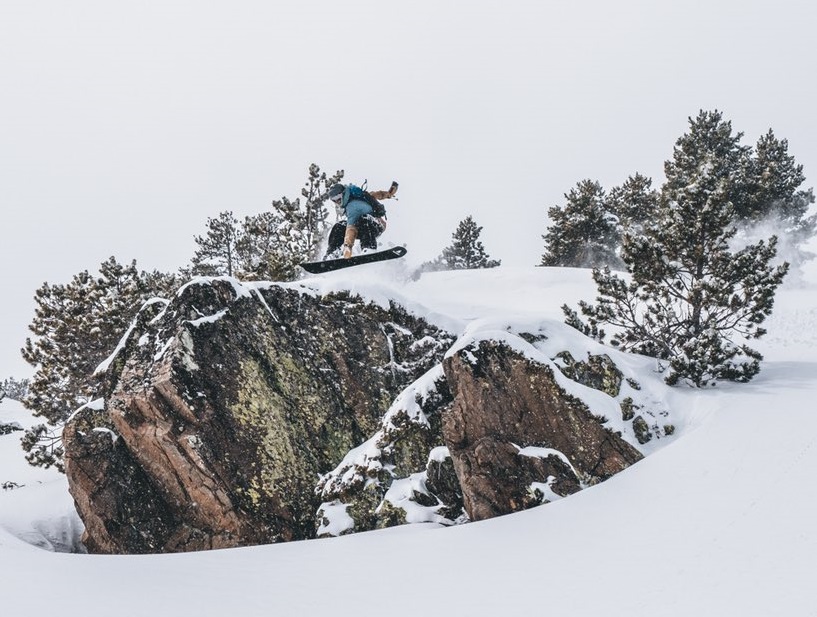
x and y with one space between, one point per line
517 438
239 415
225 408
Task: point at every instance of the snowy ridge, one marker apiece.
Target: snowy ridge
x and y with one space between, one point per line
35 507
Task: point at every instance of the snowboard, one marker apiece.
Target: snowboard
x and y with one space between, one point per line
329 265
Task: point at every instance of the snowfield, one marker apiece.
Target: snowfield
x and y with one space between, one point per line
718 520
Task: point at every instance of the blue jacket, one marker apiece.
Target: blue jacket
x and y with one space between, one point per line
355 209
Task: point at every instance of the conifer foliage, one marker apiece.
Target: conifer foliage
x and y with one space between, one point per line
258 246
771 199
303 225
632 203
217 252
584 233
269 245
14 388
76 326
693 299
466 250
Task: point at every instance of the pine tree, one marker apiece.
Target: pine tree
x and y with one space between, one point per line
772 199
584 232
257 247
270 245
301 226
216 254
690 300
315 211
633 203
15 389
466 251
76 326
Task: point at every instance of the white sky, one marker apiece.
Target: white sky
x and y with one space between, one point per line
124 125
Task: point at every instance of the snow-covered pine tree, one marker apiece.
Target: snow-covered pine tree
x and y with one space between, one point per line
15 389
584 232
257 245
76 326
772 199
315 211
304 224
216 252
466 251
633 202
690 300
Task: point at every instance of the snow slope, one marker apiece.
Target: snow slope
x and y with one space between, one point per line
719 522
39 510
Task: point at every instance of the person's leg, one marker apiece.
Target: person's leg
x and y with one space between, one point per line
336 235
355 211
349 241
368 229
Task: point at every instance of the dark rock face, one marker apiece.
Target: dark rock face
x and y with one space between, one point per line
514 433
120 504
403 473
227 406
242 414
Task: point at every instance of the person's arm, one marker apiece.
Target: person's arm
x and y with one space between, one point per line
385 194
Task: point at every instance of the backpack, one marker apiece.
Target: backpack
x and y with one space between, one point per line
355 192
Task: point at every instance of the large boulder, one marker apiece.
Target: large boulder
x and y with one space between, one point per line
243 414
517 437
225 408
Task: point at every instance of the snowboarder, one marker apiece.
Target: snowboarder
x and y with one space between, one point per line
365 218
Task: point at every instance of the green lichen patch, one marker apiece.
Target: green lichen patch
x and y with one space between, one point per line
598 372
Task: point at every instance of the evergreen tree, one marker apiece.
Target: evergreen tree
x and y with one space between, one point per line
76 326
584 232
15 389
690 300
772 199
216 254
466 251
300 226
257 248
633 203
315 211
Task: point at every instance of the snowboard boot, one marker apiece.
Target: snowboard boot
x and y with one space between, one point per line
349 241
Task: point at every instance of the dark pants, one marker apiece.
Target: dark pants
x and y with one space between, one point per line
368 229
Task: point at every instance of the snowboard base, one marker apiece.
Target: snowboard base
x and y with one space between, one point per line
329 265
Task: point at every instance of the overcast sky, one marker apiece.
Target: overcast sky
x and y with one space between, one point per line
125 124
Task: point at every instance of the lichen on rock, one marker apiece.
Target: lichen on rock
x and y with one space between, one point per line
232 400
238 414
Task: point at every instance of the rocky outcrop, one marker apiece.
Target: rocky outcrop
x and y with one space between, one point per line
516 437
244 414
402 474
226 407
